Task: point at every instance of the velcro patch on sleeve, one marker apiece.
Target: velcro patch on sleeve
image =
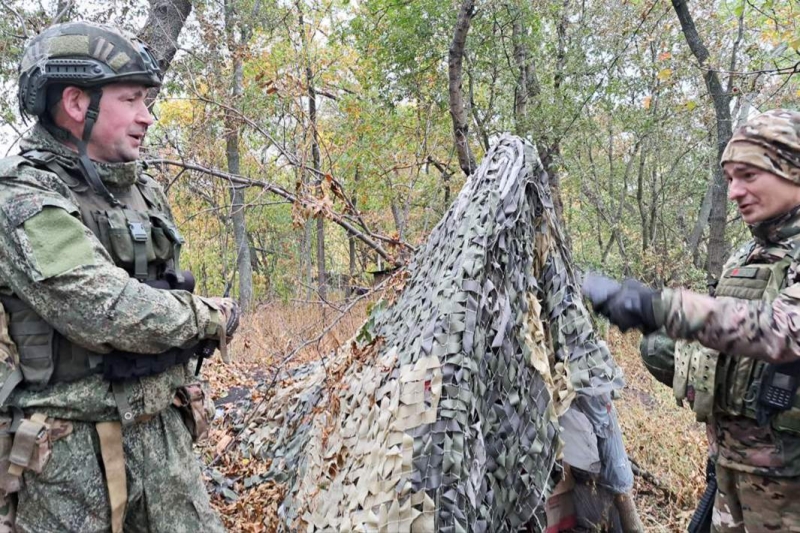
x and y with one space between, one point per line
57 242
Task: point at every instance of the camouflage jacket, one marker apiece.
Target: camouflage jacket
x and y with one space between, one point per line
56 264
766 330
748 328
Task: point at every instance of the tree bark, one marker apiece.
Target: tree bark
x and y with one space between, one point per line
161 30
717 244
351 246
244 265
458 110
322 282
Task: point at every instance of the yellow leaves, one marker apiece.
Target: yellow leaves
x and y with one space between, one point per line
690 105
176 112
664 74
648 100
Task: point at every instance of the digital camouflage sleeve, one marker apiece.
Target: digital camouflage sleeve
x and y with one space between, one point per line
752 328
56 264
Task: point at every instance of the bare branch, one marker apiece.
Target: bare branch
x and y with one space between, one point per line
369 240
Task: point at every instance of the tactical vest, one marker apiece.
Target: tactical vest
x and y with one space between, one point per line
719 383
141 239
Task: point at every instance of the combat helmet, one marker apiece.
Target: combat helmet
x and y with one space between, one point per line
87 56
81 54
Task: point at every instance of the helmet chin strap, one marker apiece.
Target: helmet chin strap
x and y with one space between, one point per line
85 164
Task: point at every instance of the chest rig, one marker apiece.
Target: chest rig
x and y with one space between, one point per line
141 239
720 383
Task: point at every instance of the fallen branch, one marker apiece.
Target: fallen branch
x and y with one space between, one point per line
650 478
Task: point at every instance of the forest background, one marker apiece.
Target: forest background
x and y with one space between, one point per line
308 146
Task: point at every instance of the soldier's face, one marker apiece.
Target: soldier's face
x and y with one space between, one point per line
121 125
760 195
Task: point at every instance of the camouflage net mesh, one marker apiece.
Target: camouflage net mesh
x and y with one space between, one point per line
443 413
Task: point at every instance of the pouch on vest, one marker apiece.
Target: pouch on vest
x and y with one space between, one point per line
26 444
34 342
196 408
128 239
658 355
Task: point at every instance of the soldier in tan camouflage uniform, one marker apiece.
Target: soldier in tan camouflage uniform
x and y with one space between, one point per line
96 361
738 362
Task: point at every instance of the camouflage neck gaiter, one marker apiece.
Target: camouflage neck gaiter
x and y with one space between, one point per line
778 230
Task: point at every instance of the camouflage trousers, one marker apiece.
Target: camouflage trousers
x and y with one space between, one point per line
165 487
752 503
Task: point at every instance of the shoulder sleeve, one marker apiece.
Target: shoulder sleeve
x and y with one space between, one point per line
750 328
52 261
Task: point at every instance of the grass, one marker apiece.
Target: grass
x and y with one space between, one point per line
661 438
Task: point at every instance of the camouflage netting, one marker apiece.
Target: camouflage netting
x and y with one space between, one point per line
443 415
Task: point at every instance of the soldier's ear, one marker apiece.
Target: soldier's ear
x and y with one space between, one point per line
74 103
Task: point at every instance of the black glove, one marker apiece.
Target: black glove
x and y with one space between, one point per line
170 282
627 306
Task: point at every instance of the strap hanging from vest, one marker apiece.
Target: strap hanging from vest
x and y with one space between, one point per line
139 237
113 454
120 391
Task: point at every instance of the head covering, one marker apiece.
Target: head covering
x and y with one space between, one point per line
769 141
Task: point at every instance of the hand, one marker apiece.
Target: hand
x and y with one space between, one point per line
627 306
231 313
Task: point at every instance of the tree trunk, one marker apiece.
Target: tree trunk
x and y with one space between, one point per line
351 246
244 265
717 245
458 110
322 282
63 11
164 24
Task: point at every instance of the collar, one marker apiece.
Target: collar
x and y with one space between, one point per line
117 175
778 230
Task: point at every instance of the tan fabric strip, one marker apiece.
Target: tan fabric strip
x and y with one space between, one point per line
110 434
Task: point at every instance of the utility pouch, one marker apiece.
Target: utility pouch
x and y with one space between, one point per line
31 446
34 339
196 408
8 483
777 390
26 444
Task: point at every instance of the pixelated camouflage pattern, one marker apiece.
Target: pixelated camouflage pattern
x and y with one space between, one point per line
769 141
752 503
749 328
96 304
8 512
443 416
165 489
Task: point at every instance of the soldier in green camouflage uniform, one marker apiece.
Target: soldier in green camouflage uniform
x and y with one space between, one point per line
745 352
99 335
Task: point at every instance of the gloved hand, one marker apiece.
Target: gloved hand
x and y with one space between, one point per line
230 311
627 306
